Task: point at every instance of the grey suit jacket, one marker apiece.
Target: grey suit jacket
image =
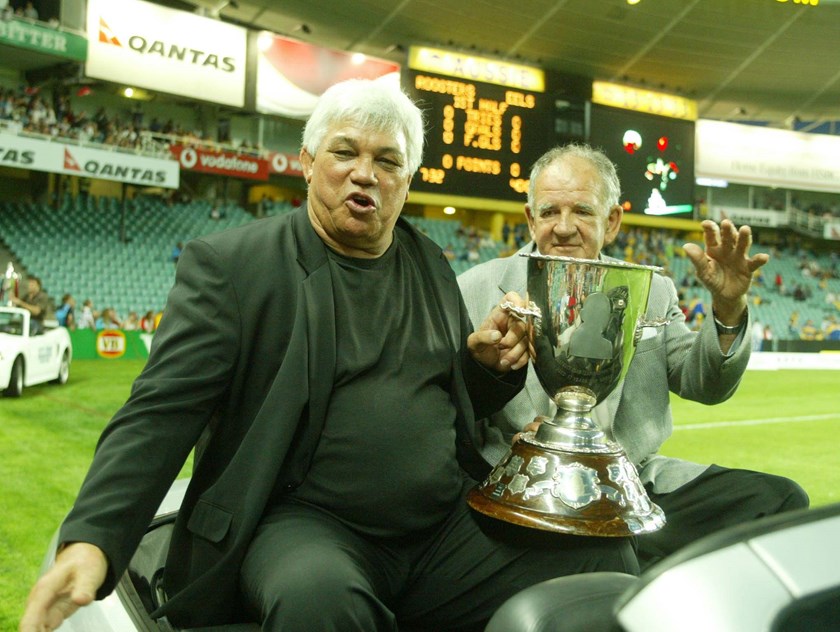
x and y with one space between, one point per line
637 413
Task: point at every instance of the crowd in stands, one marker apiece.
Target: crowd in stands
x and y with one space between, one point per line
91 318
812 299
26 10
50 113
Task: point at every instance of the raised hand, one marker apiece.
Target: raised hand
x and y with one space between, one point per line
724 267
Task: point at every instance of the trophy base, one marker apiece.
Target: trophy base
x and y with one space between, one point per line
590 494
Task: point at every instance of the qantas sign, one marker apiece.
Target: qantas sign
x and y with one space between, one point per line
162 49
54 157
169 50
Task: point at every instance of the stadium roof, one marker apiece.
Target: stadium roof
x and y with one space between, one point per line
768 61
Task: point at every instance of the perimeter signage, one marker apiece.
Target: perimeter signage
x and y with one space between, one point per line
54 157
221 163
22 34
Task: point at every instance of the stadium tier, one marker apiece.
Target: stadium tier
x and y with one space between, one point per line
91 248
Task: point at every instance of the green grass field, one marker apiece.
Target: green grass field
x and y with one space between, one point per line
785 422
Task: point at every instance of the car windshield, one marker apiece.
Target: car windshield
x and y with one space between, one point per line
11 323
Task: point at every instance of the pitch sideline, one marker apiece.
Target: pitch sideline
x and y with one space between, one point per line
755 422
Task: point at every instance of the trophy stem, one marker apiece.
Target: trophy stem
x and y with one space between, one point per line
573 428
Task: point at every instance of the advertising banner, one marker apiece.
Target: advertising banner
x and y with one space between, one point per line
220 162
110 344
291 75
748 154
162 49
285 164
41 39
54 157
750 216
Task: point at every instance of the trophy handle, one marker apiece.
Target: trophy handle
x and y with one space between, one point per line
522 313
644 322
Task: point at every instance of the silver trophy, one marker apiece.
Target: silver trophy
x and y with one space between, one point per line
9 285
585 318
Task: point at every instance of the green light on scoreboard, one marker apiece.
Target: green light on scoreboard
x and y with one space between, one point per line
670 210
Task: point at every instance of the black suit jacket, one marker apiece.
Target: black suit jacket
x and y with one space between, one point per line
245 353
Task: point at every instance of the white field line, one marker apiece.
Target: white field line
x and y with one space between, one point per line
756 422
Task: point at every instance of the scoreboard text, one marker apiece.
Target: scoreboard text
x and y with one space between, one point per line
487 122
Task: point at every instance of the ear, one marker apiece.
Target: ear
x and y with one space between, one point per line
614 218
408 186
530 217
306 161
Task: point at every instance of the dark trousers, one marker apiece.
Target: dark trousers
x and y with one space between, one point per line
307 571
716 499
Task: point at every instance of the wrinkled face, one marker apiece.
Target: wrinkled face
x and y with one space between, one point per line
358 183
568 218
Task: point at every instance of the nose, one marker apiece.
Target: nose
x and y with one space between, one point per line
364 171
563 223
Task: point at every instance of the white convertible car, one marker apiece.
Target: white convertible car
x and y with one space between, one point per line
28 358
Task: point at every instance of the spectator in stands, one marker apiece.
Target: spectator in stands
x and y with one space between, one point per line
108 319
831 328
36 302
768 338
176 252
147 323
66 314
573 210
449 253
378 511
131 322
793 324
810 331
757 335
29 11
88 318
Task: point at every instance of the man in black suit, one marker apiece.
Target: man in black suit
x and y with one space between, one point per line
327 363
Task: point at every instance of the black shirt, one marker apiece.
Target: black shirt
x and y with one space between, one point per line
385 463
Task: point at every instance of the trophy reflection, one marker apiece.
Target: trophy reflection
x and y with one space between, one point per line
585 318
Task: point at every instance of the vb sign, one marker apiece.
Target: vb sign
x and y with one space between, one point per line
110 343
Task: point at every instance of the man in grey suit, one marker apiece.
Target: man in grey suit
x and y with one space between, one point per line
573 211
336 391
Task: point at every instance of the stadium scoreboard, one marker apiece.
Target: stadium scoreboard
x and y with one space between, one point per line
487 121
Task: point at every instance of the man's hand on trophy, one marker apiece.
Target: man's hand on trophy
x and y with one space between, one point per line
725 267
501 342
531 427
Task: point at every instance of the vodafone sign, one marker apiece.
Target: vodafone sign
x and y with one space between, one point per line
166 50
285 164
221 163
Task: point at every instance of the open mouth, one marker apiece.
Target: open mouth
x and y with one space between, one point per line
360 203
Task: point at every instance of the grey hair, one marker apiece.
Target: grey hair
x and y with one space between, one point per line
610 185
379 104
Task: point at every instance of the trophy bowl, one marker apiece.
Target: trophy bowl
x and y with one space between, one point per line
584 317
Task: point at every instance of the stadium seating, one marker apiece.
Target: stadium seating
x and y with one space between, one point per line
92 248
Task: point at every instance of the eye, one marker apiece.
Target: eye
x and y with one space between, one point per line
389 163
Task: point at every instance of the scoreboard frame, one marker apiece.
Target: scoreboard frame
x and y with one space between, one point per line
487 123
